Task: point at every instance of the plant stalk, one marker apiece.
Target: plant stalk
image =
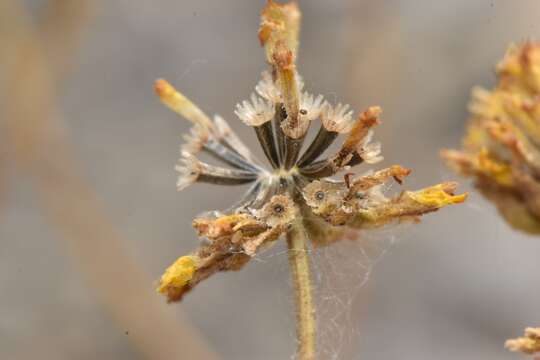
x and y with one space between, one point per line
303 293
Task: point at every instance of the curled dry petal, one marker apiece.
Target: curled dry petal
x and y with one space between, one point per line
437 196
225 225
397 172
359 132
370 153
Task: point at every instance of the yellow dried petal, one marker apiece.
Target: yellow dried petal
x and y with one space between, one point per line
517 108
510 64
180 104
438 196
520 68
500 172
178 274
486 104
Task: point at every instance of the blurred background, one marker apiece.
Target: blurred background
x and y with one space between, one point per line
89 215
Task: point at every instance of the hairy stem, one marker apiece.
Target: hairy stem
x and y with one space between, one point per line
301 278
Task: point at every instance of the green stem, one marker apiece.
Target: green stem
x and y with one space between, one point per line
301 277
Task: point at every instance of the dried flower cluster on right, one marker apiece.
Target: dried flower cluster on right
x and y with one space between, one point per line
501 150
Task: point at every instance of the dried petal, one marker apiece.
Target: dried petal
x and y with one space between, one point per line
227 225
310 106
408 205
358 134
370 153
256 112
337 119
437 196
191 170
268 89
366 182
180 104
178 275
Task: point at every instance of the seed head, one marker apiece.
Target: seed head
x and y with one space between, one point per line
297 186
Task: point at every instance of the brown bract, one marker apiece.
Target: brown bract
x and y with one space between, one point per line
365 122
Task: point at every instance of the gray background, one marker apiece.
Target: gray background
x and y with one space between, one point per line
454 287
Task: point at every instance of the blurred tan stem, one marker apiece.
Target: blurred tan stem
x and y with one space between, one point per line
34 138
60 28
301 277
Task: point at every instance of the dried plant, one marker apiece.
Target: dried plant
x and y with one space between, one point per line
528 344
501 149
296 198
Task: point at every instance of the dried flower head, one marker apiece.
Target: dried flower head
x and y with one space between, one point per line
528 344
297 185
297 195
501 149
